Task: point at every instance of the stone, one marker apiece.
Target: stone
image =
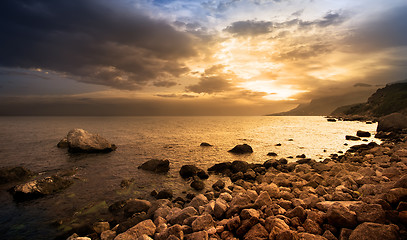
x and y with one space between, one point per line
205 144
201 235
392 122
352 138
179 217
239 166
81 141
402 182
297 212
369 213
287 235
203 222
173 231
309 236
136 206
249 213
263 199
340 216
272 154
164 194
188 171
246 226
202 174
275 226
100 227
198 200
329 235
361 133
156 165
257 232
198 184
345 234
63 143
241 149
108 235
233 223
374 231
11 174
218 185
40 188
220 167
146 227
312 227
144 237
220 208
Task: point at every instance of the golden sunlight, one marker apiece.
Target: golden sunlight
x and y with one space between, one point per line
274 92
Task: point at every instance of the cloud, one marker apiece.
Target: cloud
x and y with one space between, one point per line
100 42
164 83
213 80
249 28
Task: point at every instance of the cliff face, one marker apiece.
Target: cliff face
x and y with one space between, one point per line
390 99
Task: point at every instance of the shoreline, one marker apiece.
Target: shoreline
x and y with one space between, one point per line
361 192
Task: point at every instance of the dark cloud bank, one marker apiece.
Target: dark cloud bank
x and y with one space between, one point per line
96 41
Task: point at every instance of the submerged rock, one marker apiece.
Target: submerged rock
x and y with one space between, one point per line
352 138
11 174
39 188
81 141
156 165
361 133
241 149
205 144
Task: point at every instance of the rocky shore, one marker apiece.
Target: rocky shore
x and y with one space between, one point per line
361 194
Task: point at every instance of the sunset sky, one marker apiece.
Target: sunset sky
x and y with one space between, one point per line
180 57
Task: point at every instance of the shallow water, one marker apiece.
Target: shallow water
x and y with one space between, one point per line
31 142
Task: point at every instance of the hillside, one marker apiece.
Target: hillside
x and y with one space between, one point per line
390 99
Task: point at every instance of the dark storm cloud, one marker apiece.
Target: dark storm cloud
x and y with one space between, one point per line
100 42
210 85
253 27
362 85
384 31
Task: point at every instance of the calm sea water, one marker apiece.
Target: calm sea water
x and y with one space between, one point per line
31 142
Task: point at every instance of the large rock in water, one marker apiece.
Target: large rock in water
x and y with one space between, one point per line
80 140
39 188
11 174
156 165
241 149
392 122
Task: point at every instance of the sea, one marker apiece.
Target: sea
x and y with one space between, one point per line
31 142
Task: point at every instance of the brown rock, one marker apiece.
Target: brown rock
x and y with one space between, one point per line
340 216
287 235
312 227
145 227
233 223
329 235
374 231
203 222
297 212
257 232
275 226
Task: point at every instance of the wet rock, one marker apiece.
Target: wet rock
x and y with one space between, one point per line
203 222
205 144
146 227
156 165
374 231
164 194
202 174
272 154
11 174
136 206
341 216
218 185
392 122
363 134
81 141
239 166
301 156
352 138
220 167
198 185
39 188
241 149
257 232
188 171
63 143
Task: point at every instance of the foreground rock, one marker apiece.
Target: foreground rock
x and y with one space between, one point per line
11 174
40 188
81 141
241 149
156 165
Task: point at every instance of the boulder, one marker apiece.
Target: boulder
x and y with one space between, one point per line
11 174
203 222
180 216
156 165
164 194
369 213
202 174
392 122
188 171
39 188
220 167
272 154
340 216
63 143
257 232
241 149
100 227
146 227
275 226
218 185
361 133
198 185
136 206
81 141
239 166
374 231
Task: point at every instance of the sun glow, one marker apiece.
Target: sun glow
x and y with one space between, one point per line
274 91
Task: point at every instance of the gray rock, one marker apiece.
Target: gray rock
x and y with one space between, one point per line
156 165
374 231
82 141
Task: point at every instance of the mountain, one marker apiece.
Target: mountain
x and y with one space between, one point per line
324 106
390 99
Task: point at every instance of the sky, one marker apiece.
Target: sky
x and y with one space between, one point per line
204 57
